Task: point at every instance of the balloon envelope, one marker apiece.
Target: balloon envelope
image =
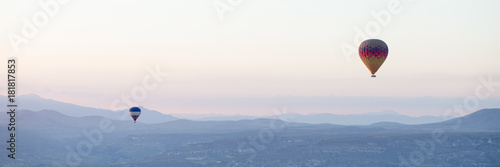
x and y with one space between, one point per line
373 53
135 112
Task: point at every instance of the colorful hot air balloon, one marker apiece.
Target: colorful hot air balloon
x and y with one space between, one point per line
373 52
135 112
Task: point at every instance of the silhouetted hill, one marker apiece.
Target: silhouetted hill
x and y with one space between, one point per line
482 120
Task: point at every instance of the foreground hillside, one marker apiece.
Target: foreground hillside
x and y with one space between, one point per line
48 138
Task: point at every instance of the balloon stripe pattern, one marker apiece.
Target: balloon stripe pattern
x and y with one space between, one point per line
135 112
373 53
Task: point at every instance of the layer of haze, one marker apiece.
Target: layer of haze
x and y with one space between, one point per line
92 53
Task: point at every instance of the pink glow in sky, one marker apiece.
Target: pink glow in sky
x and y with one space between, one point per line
92 52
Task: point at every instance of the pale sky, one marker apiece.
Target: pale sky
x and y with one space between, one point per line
92 52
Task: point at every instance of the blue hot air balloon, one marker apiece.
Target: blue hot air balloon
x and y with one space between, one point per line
135 112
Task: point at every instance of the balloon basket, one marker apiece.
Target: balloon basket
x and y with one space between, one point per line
373 75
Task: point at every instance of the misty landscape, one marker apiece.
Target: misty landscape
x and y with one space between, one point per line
49 138
249 83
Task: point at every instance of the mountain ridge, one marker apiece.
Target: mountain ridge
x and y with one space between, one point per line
34 102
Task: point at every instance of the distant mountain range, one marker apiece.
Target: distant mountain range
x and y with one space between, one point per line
36 103
360 119
48 121
485 120
352 119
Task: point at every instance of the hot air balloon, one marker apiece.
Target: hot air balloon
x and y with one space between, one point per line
135 112
373 53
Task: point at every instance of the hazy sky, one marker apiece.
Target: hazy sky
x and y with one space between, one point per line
93 52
